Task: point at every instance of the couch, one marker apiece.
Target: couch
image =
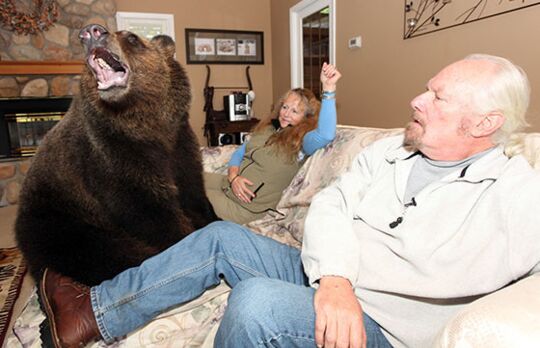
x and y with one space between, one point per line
507 318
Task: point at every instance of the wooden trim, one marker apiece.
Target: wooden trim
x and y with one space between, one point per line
40 68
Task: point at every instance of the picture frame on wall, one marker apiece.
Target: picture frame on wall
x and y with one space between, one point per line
214 46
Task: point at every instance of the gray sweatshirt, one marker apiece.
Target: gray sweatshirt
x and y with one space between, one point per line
468 234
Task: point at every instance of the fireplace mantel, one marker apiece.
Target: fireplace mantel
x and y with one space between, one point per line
40 67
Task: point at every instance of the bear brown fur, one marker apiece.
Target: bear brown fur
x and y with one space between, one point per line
119 178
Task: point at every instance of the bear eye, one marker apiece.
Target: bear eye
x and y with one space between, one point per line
133 39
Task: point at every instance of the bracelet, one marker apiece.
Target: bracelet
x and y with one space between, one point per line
329 95
233 179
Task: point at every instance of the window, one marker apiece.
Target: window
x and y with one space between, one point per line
146 25
312 24
316 47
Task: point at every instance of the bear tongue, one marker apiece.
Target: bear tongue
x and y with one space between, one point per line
106 80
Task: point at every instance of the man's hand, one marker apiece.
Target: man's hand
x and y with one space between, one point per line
338 315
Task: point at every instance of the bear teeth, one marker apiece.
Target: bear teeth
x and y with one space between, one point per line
103 64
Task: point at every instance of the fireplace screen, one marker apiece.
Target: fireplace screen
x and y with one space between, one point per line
26 131
25 121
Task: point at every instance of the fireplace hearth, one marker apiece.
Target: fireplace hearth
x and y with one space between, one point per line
25 121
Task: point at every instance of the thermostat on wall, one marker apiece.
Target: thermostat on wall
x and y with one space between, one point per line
355 42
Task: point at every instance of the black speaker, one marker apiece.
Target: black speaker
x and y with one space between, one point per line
243 137
226 138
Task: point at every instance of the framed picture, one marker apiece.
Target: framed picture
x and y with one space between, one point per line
209 46
146 25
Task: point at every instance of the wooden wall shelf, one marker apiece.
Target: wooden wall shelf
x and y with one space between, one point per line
40 67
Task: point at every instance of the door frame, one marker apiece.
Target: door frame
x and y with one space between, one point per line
296 13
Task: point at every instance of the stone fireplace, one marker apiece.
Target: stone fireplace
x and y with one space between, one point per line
41 68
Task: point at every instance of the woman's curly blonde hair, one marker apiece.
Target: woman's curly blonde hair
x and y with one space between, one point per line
289 139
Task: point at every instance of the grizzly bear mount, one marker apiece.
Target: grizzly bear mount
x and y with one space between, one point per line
119 178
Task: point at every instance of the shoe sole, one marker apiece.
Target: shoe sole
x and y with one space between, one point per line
48 310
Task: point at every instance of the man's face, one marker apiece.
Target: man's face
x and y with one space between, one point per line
444 114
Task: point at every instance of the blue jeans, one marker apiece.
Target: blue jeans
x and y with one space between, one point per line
264 312
185 270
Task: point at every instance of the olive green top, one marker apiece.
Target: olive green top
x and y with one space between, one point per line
264 163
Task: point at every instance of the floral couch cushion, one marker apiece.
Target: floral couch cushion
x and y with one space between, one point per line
191 325
216 158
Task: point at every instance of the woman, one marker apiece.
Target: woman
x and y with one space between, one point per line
263 167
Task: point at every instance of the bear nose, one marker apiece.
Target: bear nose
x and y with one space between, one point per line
93 35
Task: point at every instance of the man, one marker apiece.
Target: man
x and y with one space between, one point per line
420 226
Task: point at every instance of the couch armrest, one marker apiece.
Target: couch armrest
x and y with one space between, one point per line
507 318
215 158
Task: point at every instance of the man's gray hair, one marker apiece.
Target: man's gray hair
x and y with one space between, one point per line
508 93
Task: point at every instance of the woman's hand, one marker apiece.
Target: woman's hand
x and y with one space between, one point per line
239 186
329 77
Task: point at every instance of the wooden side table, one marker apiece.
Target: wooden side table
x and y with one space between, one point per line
218 129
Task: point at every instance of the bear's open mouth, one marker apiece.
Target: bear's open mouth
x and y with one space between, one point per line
108 69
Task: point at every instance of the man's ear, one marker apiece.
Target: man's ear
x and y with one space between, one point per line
488 124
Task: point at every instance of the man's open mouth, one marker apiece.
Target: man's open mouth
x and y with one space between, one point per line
108 69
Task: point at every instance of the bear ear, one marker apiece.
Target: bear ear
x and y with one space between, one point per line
165 43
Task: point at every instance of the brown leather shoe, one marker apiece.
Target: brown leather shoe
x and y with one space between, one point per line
68 307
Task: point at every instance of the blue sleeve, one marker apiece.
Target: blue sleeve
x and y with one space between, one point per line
325 131
237 156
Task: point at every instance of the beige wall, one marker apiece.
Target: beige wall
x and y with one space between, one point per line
217 14
281 53
379 79
382 77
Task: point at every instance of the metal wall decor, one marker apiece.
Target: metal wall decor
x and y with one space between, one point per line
426 16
